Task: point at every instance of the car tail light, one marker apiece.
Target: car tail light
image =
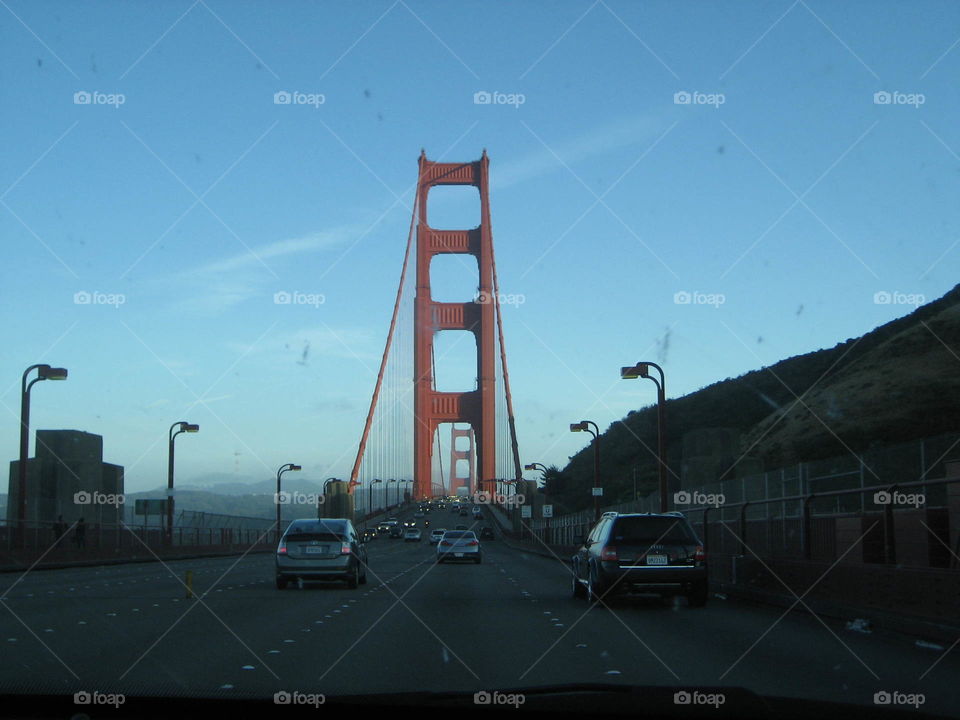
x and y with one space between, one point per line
608 554
345 548
446 542
472 543
699 554
282 550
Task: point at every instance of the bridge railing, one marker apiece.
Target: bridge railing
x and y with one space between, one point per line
42 538
888 531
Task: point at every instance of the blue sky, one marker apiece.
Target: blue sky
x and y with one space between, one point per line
779 201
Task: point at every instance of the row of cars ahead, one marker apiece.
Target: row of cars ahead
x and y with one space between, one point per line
333 549
623 552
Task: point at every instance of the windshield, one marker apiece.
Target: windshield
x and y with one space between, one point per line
554 271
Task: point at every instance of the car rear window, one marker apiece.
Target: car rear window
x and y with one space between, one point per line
313 536
652 529
316 531
459 534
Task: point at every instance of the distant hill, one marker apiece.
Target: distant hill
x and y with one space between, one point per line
237 498
896 383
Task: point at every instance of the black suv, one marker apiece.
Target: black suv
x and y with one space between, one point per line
641 552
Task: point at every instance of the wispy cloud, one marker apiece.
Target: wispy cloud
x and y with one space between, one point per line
279 249
221 284
637 130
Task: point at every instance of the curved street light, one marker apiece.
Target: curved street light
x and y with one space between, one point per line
642 370
281 471
44 372
584 426
183 427
370 508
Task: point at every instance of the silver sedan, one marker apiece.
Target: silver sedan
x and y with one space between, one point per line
459 545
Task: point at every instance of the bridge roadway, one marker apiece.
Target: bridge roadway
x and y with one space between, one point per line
509 622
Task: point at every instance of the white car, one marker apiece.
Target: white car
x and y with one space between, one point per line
412 535
459 545
436 535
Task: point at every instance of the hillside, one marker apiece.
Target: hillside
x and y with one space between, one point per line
895 383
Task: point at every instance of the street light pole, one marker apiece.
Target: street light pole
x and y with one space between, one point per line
584 426
642 369
184 427
281 471
44 372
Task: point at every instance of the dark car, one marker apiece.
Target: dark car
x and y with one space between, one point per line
486 533
369 534
396 531
641 552
323 549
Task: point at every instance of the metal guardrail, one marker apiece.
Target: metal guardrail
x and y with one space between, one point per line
889 535
564 530
43 537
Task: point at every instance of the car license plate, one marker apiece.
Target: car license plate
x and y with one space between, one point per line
656 559
318 550
458 554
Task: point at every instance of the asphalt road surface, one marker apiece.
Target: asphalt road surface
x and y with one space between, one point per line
509 622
